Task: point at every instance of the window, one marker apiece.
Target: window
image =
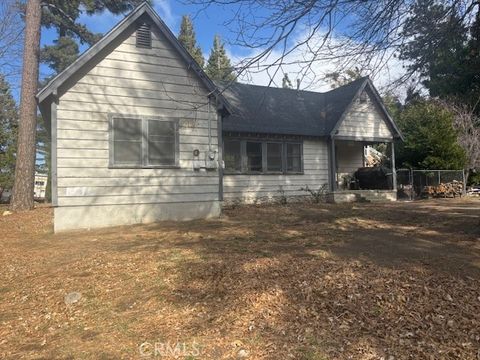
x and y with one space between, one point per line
294 158
274 157
143 142
233 155
144 36
161 142
254 156
262 157
127 141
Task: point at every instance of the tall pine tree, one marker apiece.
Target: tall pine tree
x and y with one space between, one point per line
63 16
443 50
218 65
8 135
22 198
188 40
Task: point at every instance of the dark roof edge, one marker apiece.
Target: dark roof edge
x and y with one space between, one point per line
347 109
385 111
379 101
88 55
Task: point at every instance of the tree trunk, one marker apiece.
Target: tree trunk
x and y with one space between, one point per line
22 198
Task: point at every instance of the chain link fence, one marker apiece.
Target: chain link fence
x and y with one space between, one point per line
422 184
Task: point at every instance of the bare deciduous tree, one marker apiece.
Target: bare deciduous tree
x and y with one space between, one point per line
349 33
467 123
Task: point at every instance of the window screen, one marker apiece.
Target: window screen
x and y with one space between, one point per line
254 156
161 142
233 155
274 157
141 142
294 157
127 141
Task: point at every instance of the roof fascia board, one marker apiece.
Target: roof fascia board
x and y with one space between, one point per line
348 108
142 9
90 53
379 102
385 111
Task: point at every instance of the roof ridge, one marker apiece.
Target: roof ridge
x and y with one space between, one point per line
359 80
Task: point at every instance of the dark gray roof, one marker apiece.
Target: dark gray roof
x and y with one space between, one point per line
262 109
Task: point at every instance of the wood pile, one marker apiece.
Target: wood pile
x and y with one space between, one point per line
450 189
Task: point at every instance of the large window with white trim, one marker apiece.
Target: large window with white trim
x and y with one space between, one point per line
259 156
143 142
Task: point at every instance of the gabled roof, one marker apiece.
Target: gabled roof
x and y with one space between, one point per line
142 10
261 109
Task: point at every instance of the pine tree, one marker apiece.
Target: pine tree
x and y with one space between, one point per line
22 198
188 40
286 83
431 141
63 15
8 135
218 65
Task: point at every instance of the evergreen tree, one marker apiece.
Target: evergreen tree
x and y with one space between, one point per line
62 16
8 135
338 79
188 40
218 65
286 83
22 197
443 50
430 138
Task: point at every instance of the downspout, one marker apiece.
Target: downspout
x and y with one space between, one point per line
209 128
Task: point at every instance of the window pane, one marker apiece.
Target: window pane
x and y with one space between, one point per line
233 158
294 158
127 152
274 157
161 142
254 156
127 141
127 129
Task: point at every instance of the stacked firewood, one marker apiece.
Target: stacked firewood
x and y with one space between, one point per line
450 189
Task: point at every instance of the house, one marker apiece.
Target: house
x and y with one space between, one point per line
140 133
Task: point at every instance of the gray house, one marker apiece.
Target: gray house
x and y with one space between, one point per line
140 133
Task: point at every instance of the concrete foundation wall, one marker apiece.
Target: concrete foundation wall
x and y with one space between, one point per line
89 217
362 195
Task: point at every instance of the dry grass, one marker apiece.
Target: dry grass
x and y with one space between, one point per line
361 281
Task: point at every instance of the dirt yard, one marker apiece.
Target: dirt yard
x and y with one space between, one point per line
362 281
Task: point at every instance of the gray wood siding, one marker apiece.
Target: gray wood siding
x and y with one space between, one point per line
248 188
349 158
364 120
133 81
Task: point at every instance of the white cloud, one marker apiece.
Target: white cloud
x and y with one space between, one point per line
382 71
164 9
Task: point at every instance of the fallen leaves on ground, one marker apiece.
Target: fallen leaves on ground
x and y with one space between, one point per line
302 281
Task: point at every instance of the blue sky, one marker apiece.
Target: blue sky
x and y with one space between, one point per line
207 23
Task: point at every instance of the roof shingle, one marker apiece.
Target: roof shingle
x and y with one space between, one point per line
263 109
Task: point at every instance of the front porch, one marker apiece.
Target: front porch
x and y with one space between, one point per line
356 178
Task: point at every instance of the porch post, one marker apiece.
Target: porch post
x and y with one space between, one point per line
394 170
333 164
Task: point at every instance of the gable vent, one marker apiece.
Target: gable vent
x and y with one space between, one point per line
144 36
